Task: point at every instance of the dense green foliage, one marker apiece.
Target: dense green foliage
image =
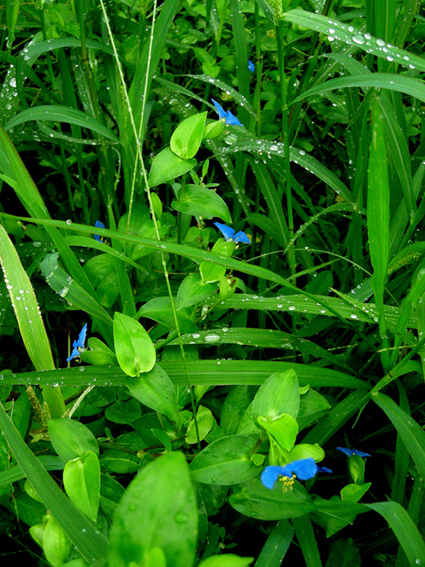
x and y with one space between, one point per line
255 300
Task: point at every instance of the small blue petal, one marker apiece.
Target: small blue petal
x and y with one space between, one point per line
78 343
241 237
251 66
351 452
231 120
82 337
221 113
99 224
75 352
270 475
225 230
324 469
303 469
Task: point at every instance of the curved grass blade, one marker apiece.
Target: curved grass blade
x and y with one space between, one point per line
354 37
410 431
28 315
404 528
89 541
54 113
392 82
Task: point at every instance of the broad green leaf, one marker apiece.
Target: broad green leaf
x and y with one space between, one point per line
205 421
279 394
256 501
134 348
227 560
88 541
404 529
304 451
71 439
99 353
155 390
160 309
158 509
192 291
56 544
211 273
353 492
167 166
283 429
81 479
201 202
187 137
225 461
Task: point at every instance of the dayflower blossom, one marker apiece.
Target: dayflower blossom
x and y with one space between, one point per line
303 469
228 117
351 452
251 66
97 237
229 234
78 344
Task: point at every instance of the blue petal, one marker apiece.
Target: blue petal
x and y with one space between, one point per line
225 230
82 337
251 66
324 469
304 469
99 224
221 113
231 120
75 352
241 237
351 452
270 475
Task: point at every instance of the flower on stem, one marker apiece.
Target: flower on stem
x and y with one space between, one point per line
251 66
229 234
78 344
303 469
351 452
97 237
228 117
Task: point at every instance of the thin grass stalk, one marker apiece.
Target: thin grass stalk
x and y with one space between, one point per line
139 157
280 33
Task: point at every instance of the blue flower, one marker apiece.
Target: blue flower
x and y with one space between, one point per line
303 469
97 237
251 66
351 452
228 117
229 234
78 344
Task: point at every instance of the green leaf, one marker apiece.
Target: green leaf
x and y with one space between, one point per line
123 411
279 394
201 202
256 501
225 461
155 390
56 544
134 348
99 353
205 421
227 560
81 479
283 429
160 309
71 439
167 166
354 492
89 542
192 291
186 139
158 509
404 529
